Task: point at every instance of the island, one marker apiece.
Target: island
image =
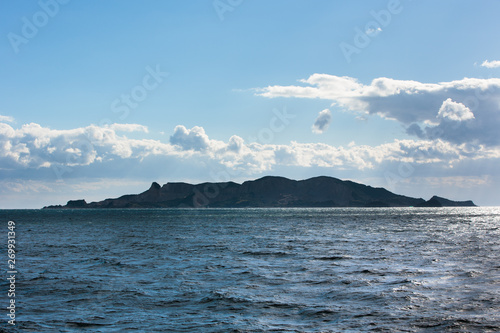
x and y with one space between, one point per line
269 191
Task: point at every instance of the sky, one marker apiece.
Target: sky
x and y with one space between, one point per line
101 98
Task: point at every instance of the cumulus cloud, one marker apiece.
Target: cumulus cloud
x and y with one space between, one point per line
454 111
235 144
410 102
491 64
285 155
322 122
36 151
34 146
194 138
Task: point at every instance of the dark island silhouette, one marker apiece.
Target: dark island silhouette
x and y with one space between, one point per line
265 192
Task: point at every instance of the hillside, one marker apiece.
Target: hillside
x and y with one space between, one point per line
265 192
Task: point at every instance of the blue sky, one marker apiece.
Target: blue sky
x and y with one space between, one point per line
100 98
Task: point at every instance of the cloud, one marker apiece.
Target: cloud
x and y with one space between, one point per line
454 111
194 138
36 152
322 122
491 64
7 119
410 102
414 129
128 128
32 150
235 144
285 155
34 146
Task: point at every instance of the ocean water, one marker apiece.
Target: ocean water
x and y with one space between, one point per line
255 270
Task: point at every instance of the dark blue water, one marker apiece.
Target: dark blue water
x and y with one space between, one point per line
255 270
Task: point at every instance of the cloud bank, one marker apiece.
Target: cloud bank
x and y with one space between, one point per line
103 151
460 111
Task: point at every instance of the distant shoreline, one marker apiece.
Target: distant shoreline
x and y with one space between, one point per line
266 192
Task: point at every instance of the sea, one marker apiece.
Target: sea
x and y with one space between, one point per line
252 270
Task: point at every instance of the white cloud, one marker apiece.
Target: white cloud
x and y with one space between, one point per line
410 102
33 151
322 122
235 144
6 131
491 64
128 128
34 146
7 119
194 138
454 111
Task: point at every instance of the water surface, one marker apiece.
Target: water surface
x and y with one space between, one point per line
257 270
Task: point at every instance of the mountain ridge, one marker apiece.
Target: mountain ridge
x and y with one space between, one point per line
268 191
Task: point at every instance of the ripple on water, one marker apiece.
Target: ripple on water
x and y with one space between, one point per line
259 270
